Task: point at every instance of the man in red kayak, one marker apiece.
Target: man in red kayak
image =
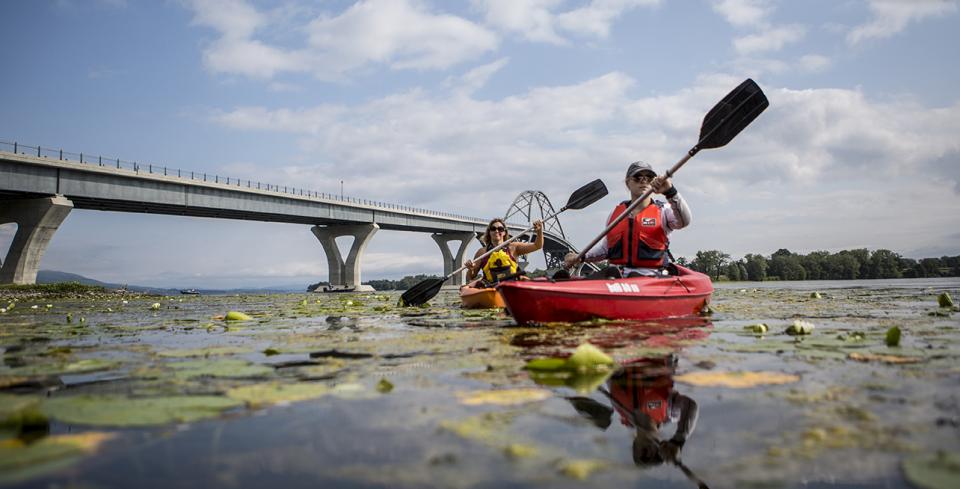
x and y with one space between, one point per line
639 245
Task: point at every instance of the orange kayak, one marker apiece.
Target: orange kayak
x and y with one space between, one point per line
480 298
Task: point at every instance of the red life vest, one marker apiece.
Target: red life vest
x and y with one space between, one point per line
642 395
639 242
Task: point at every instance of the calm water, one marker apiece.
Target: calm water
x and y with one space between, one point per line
348 390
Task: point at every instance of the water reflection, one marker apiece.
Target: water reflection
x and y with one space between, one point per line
336 323
641 392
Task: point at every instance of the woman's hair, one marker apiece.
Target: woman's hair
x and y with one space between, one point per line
486 233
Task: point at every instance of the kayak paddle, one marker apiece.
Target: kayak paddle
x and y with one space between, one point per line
425 290
724 121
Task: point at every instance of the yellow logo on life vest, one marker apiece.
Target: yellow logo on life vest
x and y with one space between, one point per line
499 266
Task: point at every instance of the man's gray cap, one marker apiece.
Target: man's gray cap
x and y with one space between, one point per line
638 167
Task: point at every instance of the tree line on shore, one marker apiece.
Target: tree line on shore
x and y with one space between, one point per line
821 265
782 265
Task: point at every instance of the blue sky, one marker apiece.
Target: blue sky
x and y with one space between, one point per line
460 106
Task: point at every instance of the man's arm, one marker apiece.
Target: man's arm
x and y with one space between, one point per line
676 215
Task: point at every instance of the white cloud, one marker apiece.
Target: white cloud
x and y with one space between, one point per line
892 16
477 77
769 39
813 63
540 21
401 34
430 145
596 18
533 19
396 32
234 19
743 13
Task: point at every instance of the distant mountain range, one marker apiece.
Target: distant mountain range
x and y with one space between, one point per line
53 276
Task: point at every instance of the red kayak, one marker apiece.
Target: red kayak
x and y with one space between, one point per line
580 299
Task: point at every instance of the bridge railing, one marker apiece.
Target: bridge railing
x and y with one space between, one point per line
153 169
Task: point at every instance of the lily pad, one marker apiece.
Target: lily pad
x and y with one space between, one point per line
892 359
115 410
800 327
80 366
588 358
219 368
580 469
736 380
237 316
258 395
580 382
503 397
204 352
20 461
893 336
759 328
933 471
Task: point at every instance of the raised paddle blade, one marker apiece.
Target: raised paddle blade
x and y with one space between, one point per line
737 110
422 292
586 195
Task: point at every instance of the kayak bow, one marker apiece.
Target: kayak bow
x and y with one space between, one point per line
480 298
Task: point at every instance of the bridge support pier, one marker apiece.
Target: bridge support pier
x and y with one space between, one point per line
37 220
345 274
451 263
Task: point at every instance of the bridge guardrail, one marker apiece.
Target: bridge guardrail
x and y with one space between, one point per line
149 168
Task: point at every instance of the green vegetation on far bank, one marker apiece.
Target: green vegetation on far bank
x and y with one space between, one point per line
821 265
61 289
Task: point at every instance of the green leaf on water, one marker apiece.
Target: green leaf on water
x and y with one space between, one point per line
945 300
547 364
116 410
893 336
219 368
939 470
580 382
758 328
588 358
800 328
20 461
236 316
80 366
384 386
258 395
204 352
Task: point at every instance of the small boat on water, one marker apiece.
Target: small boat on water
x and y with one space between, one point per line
480 298
580 299
190 292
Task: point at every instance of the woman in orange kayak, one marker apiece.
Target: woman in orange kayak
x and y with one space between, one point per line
501 264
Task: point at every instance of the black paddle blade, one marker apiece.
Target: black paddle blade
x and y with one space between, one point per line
586 195
726 119
422 292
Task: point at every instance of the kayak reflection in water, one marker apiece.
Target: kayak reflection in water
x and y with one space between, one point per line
642 393
502 264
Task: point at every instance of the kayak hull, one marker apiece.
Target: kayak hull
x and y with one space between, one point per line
640 298
480 298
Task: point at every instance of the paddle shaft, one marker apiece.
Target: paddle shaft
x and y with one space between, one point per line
636 202
502 245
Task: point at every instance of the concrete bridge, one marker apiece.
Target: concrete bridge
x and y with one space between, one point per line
39 187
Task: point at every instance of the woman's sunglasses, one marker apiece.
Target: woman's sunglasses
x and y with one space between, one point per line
498 229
